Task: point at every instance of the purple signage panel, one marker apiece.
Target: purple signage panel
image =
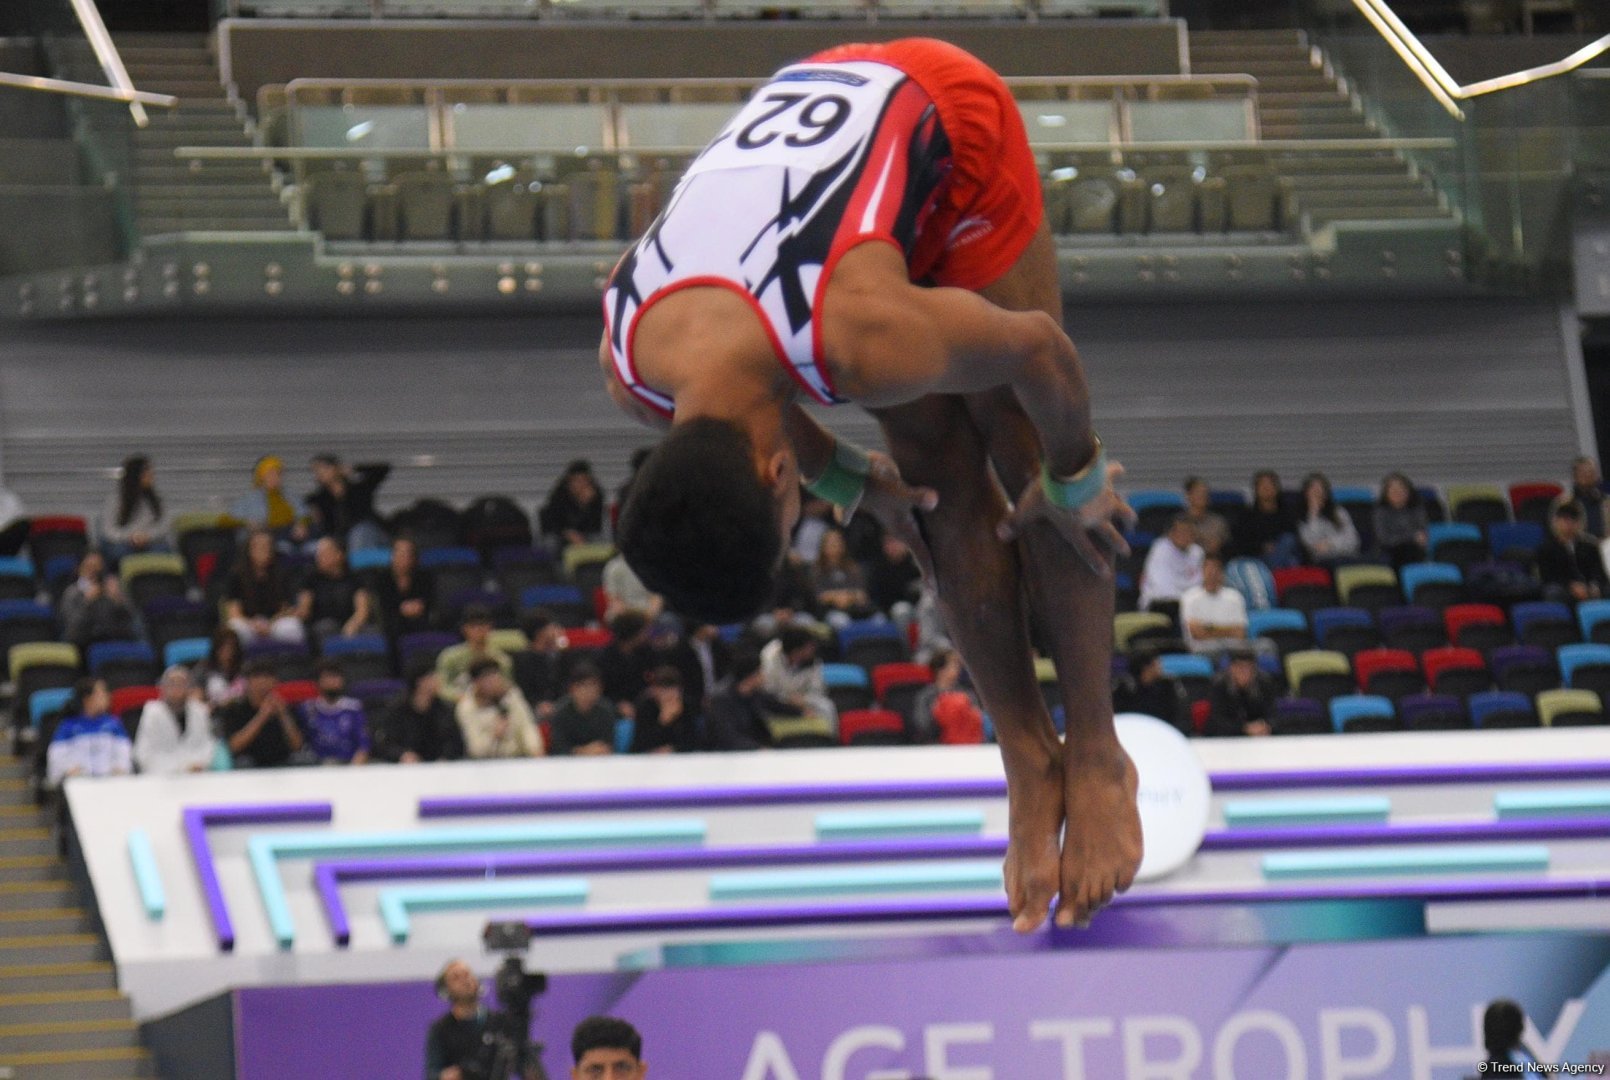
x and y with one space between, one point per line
1392 1010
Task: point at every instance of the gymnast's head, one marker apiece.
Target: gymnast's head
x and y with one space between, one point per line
706 521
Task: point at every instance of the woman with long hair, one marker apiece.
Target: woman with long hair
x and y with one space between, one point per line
1326 530
1266 529
840 582
260 603
574 511
134 519
1400 521
221 675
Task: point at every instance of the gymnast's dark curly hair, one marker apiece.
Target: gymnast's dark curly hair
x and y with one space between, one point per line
700 528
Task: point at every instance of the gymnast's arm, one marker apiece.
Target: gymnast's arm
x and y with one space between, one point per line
622 397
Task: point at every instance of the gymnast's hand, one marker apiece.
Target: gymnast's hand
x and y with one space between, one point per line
891 500
1094 530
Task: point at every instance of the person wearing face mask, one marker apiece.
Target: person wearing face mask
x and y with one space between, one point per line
337 732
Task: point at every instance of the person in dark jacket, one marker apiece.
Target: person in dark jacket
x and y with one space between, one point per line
574 512
419 726
1400 521
627 660
1242 699
1267 529
1152 693
1569 566
736 718
343 504
584 720
404 591
665 723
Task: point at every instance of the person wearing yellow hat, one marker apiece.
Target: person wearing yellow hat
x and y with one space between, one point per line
269 506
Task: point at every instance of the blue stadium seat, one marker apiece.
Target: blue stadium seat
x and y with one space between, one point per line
1345 629
186 651
846 675
439 557
1362 712
1421 582
1186 665
1516 541
16 566
1155 509
369 559
41 703
1544 623
363 643
1502 709
1577 660
1593 616
103 653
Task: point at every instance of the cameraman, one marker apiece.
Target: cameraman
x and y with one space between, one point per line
607 1049
457 1046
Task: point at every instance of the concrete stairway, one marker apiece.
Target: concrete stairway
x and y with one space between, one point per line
171 195
61 1015
1299 98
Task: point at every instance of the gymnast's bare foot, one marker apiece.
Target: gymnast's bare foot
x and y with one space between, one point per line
1101 847
1034 793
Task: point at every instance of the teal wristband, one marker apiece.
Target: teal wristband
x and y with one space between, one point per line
844 480
1074 492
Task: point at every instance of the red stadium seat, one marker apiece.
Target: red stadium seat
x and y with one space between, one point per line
132 697
885 676
297 691
1305 588
1389 672
588 637
1460 617
1457 671
1531 501
60 523
1200 711
868 727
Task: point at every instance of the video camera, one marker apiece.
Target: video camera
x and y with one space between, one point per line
512 1053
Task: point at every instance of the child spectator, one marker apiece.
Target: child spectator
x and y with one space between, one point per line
1400 521
664 722
133 519
260 601
337 732
937 700
175 732
90 741
494 718
584 720
419 726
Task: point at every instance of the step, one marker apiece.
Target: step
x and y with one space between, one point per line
1318 183
195 121
44 1006
207 172
163 54
68 1035
1260 68
180 69
1381 213
187 89
1286 99
32 922
1324 200
51 949
26 895
1348 130
1275 35
167 226
13 766
19 813
199 106
1296 164
107 1064
87 975
159 138
1209 52
27 840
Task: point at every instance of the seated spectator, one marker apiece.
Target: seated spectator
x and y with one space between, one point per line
840 583
219 675
1152 693
93 608
1212 531
1326 530
574 511
1400 521
332 603
935 706
455 662
627 660
89 741
1242 699
1587 490
1173 565
175 732
259 600
1568 565
494 718
259 727
267 506
894 580
664 723
133 519
419 726
711 661
736 718
539 669
14 523
815 519
343 503
625 591
1266 530
583 722
404 592
1213 615
794 599
337 730
793 674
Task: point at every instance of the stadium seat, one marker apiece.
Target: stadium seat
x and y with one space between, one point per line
1193 673
292 662
1585 667
1362 712
871 727
186 651
431 522
1544 623
1477 504
1515 541
375 694
1305 588
1455 670
297 691
1413 628
519 568
1319 674
1433 712
1286 629
1531 501
150 575
23 621
871 642
336 204
1570 708
1345 630
363 657
172 618
848 686
1593 616
439 558
129 702
43 702
17 579
510 640
54 536
369 559
1477 626
1431 499
1433 584
1156 510
890 677
584 563
494 523
1300 716
424 643
1389 673
123 663
1502 709
425 199
1455 542
565 602
60 572
1526 669
1128 627
449 608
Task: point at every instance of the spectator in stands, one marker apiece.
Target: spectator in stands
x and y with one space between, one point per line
133 519
175 732
343 503
1267 530
1242 699
1326 530
539 669
259 600
736 717
627 660
894 580
419 726
664 721
574 512
840 583
1151 692
1569 566
1173 565
1400 521
937 710
337 730
584 720
219 675
932 635
267 506
93 608
332 603
493 716
794 674
1213 615
14 523
89 741
455 662
815 519
624 590
795 598
711 661
261 731
1212 531
605 1048
404 591
1587 489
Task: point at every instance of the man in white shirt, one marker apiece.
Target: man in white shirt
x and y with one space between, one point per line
175 733
1213 615
1173 565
